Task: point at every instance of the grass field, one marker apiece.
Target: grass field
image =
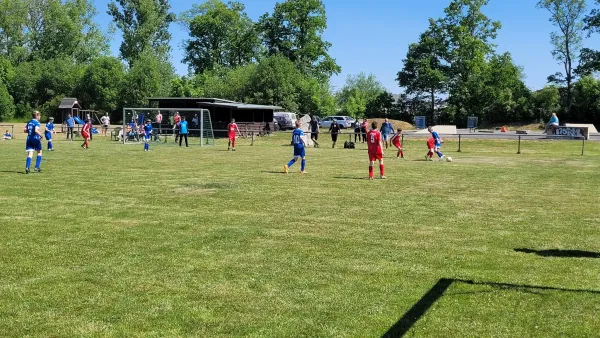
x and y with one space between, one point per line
201 242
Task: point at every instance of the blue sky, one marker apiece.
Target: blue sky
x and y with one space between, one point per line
373 36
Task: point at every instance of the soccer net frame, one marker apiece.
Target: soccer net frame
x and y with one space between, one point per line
199 124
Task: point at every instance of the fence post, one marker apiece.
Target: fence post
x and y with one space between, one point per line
201 126
252 143
402 141
459 142
582 145
519 150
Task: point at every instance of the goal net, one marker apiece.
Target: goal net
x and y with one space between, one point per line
164 127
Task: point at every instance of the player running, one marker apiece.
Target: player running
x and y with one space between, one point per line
397 142
299 149
34 142
232 131
438 142
147 134
375 150
85 133
430 149
49 132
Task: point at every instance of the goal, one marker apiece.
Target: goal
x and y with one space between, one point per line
164 129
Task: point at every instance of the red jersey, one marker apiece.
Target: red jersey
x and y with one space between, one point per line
176 119
431 143
396 140
86 128
232 128
374 141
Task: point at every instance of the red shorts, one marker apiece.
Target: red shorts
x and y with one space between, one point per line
231 137
397 144
375 156
85 135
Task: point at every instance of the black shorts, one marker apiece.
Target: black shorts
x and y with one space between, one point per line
315 136
334 137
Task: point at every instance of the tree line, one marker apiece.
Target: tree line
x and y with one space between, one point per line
50 49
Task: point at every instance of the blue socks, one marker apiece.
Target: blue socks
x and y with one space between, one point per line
439 153
38 161
28 163
291 162
49 145
146 146
303 164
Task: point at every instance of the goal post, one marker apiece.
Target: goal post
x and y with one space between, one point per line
164 129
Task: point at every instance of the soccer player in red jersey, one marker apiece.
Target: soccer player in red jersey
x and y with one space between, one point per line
431 147
85 132
396 141
375 150
232 131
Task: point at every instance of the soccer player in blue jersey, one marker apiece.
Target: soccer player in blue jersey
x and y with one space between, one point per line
34 142
49 132
299 149
438 142
147 134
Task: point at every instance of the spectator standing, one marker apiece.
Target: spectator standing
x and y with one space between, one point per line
386 130
357 131
334 129
314 131
158 121
176 121
105 123
183 131
70 122
363 130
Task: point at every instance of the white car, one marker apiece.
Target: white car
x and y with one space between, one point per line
285 120
342 121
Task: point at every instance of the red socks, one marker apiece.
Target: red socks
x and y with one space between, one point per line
371 171
400 153
233 143
381 170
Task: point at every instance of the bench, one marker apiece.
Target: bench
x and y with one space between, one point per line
522 132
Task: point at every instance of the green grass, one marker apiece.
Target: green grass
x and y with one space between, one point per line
201 242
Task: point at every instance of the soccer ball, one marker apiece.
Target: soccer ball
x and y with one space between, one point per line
449 159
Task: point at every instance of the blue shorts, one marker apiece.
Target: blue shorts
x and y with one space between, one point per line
33 145
386 137
438 145
48 136
299 152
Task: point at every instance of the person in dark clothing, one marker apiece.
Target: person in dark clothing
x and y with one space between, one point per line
334 130
357 131
314 129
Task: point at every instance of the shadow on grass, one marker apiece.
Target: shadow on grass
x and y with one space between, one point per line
561 253
11 172
272 172
350 178
412 316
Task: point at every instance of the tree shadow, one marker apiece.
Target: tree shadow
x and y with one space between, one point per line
561 253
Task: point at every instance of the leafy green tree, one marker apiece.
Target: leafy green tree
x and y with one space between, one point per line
468 33
101 84
145 27
150 76
586 100
425 70
221 35
381 106
358 91
13 16
567 15
7 107
545 102
295 31
276 82
57 29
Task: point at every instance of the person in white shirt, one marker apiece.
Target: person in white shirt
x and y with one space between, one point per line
105 123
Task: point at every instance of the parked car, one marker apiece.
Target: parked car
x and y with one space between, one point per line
342 121
286 120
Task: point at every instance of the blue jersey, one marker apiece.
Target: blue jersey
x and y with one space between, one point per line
70 122
436 137
49 126
148 130
183 127
31 134
297 138
387 128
